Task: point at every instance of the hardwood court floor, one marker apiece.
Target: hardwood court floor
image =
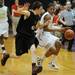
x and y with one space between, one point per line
22 65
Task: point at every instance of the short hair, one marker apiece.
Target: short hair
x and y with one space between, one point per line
50 5
36 4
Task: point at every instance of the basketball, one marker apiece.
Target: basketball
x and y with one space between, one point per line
69 34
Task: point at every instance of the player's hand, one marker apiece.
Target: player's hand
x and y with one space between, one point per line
46 23
65 28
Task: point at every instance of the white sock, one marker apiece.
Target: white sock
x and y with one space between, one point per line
43 58
3 50
33 59
33 52
53 58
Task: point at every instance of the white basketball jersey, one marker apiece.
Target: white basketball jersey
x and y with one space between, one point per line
3 14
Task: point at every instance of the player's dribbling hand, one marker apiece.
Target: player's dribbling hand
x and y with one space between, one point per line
46 23
65 28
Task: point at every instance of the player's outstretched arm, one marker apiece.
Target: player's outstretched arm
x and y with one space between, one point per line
22 11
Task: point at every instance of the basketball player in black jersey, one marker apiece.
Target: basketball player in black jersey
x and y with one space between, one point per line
25 37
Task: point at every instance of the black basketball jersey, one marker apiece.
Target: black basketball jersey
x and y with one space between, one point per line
25 26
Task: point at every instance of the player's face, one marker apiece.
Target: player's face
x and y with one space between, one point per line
51 10
26 6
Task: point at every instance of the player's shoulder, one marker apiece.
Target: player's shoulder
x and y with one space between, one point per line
46 13
43 16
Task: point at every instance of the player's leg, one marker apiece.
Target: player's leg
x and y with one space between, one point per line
5 55
33 53
70 44
35 69
53 52
53 63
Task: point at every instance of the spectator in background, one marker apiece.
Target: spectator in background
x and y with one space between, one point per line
67 19
73 9
9 3
62 1
15 16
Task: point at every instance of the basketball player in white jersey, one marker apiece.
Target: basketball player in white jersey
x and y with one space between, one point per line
3 31
50 42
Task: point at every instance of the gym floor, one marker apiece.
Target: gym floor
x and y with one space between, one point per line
22 65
